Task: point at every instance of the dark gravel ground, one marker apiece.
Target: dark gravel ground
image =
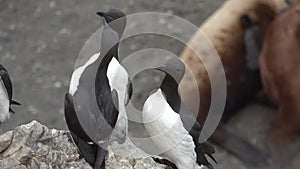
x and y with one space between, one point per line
40 41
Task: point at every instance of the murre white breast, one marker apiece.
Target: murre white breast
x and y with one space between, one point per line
167 132
78 72
4 103
164 111
118 80
6 92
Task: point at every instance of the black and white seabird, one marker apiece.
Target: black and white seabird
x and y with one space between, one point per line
6 92
111 76
92 115
164 112
87 148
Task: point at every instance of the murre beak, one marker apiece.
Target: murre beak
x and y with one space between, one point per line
174 67
102 15
15 102
161 68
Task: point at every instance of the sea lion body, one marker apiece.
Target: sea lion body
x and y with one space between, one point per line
226 33
280 72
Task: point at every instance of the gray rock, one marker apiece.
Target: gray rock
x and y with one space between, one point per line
5 140
120 162
35 146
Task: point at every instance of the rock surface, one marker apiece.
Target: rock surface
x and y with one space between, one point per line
33 145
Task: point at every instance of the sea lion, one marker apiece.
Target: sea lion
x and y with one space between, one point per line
226 30
280 73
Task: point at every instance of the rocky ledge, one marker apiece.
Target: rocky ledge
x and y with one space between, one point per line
33 145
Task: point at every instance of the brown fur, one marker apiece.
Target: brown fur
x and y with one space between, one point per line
242 83
280 73
233 59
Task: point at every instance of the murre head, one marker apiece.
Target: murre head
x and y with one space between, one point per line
114 22
115 19
174 68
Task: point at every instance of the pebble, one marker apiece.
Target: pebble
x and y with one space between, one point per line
57 84
52 4
32 109
58 13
